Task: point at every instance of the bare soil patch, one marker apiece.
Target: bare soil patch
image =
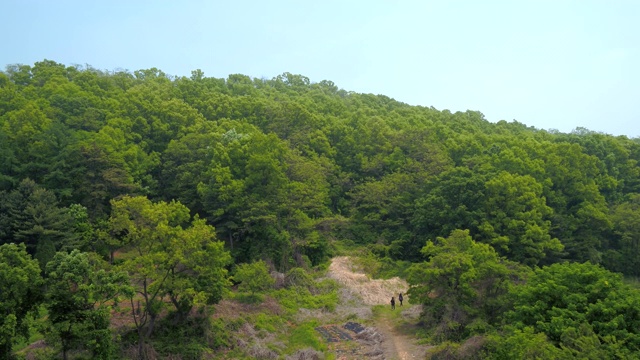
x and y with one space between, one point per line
384 340
371 291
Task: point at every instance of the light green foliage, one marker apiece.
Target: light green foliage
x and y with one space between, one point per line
298 277
523 344
20 293
268 322
516 220
303 291
582 308
296 298
461 286
305 335
284 168
193 338
253 277
172 256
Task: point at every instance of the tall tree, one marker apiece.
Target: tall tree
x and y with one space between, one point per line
31 215
77 296
516 220
172 256
626 221
20 293
463 282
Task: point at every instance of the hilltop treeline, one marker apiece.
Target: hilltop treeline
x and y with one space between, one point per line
279 169
282 166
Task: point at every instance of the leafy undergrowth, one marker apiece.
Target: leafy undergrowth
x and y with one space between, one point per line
284 322
269 325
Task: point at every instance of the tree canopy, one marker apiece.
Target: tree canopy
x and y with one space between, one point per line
195 175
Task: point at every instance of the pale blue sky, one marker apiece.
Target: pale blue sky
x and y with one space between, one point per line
552 64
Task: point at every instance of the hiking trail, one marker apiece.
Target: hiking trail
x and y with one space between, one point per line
398 344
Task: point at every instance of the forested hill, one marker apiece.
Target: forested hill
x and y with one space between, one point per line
159 191
282 167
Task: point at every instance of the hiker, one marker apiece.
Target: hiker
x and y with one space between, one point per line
393 303
400 298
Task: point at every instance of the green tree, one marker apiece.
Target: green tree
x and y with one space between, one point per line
522 344
8 163
383 208
253 277
580 212
626 223
32 215
170 255
453 200
582 309
76 299
461 286
95 176
20 293
516 220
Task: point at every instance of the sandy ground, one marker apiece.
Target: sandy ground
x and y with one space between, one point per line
396 345
372 291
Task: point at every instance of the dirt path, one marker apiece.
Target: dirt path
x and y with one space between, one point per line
371 291
398 345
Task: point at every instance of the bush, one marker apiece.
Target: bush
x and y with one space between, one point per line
253 277
305 336
191 338
296 298
298 277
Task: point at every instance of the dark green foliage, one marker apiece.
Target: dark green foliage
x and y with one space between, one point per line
76 297
31 215
192 338
284 168
624 254
268 161
20 293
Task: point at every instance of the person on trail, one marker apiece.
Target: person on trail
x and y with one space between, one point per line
393 303
400 298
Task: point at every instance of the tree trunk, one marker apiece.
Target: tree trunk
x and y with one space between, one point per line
140 344
182 310
152 322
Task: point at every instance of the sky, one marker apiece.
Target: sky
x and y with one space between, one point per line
551 64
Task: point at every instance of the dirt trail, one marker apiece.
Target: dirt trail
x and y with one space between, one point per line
396 346
372 292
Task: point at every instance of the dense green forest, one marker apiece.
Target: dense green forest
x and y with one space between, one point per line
140 187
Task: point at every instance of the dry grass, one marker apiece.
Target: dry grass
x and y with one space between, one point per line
371 291
148 352
229 309
306 354
261 352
